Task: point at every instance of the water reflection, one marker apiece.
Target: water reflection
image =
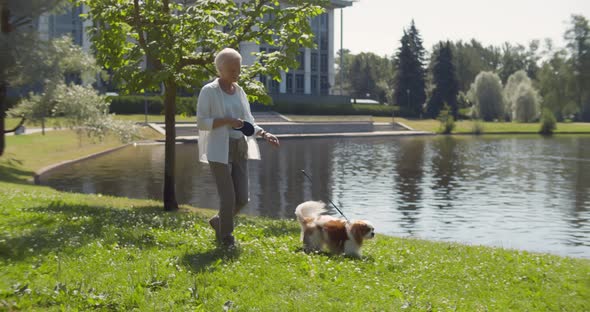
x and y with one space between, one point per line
526 192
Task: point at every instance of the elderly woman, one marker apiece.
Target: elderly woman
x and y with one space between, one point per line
221 109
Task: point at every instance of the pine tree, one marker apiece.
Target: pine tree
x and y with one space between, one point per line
445 81
410 83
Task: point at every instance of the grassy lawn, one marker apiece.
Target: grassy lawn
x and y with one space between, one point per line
62 251
466 126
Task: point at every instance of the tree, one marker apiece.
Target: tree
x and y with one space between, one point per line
526 106
445 82
471 58
521 98
342 77
486 94
409 84
178 41
557 85
17 39
59 59
370 74
512 60
578 37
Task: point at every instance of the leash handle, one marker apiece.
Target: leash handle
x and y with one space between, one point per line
305 174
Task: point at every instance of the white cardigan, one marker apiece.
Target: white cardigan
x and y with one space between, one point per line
214 143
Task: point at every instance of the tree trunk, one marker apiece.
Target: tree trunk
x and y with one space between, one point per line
2 115
5 28
170 203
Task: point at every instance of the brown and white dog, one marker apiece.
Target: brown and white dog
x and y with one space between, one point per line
338 235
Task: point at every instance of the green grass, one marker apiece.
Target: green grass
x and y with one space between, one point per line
71 251
62 251
466 126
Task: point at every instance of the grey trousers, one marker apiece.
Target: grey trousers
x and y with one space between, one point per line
232 187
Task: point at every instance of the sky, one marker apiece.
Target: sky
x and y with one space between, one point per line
377 25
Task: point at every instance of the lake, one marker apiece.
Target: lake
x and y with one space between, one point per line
523 192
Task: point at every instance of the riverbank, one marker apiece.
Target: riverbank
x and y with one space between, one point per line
426 125
72 251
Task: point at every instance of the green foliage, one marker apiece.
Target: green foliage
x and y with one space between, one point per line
409 85
447 122
471 58
370 77
515 58
521 98
578 37
486 96
343 75
477 127
548 122
445 82
557 85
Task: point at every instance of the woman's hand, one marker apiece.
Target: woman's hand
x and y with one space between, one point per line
232 122
270 138
235 123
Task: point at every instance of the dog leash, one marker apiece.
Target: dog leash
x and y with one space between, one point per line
305 174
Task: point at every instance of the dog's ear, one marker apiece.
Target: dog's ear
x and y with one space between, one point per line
358 230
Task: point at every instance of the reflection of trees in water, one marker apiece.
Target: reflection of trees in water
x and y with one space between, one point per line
279 185
581 189
447 165
409 165
582 179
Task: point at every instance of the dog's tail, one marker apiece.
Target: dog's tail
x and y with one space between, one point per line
309 210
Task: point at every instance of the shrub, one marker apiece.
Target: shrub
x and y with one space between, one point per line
548 122
522 99
486 94
477 127
447 122
135 104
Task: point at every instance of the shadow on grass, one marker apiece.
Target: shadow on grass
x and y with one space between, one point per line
329 255
211 259
64 227
9 172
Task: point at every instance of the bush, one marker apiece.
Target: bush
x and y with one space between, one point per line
135 104
477 127
447 122
548 122
522 99
486 94
375 110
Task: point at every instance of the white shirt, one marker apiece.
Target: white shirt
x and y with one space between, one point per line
233 109
214 143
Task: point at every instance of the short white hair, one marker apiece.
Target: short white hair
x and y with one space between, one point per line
224 55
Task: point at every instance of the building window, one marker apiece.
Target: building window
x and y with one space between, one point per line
300 84
274 86
314 62
324 63
289 83
314 85
324 85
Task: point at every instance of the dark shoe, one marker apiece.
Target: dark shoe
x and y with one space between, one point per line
214 223
228 242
